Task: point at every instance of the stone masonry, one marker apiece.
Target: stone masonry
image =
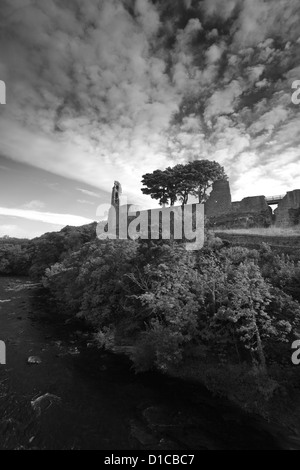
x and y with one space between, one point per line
222 213
219 201
287 213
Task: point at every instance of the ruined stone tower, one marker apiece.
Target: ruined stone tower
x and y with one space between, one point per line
115 194
219 201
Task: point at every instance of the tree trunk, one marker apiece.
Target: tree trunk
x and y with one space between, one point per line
213 295
260 350
237 349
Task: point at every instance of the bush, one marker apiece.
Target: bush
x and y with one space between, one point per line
219 315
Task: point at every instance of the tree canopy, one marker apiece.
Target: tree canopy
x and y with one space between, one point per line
181 181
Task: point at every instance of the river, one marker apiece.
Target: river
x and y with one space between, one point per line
95 400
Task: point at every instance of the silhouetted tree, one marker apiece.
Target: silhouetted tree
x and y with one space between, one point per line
177 183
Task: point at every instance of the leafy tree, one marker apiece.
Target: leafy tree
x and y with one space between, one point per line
160 185
184 182
201 174
14 260
177 183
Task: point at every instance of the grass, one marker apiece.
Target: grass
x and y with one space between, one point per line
269 232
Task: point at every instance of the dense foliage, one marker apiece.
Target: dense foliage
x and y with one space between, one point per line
33 257
181 181
14 256
224 316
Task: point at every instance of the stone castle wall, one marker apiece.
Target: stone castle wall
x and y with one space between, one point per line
253 204
250 212
222 213
219 201
288 211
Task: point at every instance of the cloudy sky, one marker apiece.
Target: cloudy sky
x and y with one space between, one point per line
104 90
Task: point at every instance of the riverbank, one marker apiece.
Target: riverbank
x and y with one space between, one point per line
102 403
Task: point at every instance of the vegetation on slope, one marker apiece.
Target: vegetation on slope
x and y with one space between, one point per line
224 316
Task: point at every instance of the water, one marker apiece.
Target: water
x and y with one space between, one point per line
97 400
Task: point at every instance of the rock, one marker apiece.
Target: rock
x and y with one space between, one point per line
158 416
231 417
141 434
34 360
44 402
74 351
71 320
166 444
294 442
78 334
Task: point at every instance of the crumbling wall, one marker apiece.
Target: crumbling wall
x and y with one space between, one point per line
222 213
116 194
241 220
219 201
249 212
287 212
255 204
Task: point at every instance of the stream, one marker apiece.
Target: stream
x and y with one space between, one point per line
80 397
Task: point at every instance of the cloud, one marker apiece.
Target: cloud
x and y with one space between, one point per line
47 217
269 120
109 90
34 205
214 53
84 201
223 101
89 193
220 8
92 92
261 20
147 16
12 231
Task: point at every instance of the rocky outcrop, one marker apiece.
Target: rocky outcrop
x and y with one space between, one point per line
34 360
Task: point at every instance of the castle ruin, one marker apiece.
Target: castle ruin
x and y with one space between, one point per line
287 213
252 211
222 213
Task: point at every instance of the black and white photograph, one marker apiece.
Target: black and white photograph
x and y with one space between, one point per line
150 227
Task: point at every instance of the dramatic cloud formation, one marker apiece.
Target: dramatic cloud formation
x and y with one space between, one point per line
107 90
